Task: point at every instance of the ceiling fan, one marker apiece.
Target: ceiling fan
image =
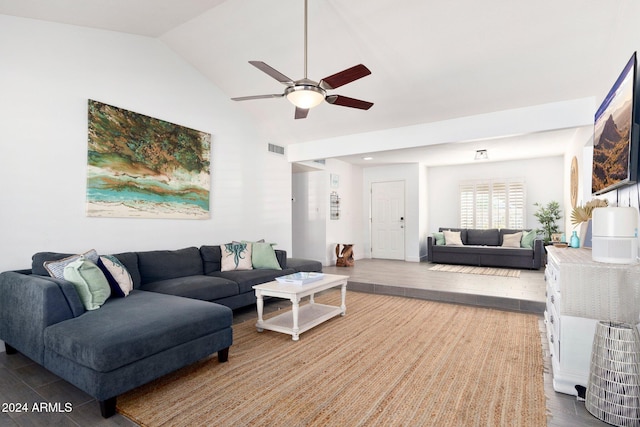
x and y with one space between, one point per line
305 93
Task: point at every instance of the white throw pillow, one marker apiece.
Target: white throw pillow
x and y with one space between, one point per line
512 240
452 238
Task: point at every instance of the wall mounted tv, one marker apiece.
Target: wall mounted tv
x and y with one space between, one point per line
616 134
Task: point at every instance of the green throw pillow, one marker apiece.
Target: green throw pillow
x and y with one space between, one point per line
527 239
89 281
439 238
263 257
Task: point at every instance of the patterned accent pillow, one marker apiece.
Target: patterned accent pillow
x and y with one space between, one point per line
89 281
56 268
117 275
236 256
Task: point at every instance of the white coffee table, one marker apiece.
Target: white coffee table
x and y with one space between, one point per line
300 319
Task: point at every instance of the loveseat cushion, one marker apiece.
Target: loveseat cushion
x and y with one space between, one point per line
248 278
125 330
305 265
206 288
489 237
475 249
211 258
167 264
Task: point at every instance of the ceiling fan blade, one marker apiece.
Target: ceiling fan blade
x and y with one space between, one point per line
246 98
301 113
348 102
343 77
272 72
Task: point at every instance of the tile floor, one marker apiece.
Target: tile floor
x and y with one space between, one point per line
22 381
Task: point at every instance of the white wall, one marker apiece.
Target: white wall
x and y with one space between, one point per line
348 228
498 124
543 177
580 147
315 235
48 72
309 215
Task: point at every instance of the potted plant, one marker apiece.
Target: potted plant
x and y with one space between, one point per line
547 216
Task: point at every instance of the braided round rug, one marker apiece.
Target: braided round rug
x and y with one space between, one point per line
390 361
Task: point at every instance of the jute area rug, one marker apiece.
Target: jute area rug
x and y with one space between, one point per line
390 361
489 271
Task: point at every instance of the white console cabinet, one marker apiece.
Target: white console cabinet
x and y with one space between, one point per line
581 292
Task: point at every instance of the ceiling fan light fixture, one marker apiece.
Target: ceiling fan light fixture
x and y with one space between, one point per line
305 96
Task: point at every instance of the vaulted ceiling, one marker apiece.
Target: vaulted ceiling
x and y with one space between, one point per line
430 60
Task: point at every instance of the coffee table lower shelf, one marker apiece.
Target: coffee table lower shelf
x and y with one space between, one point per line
309 315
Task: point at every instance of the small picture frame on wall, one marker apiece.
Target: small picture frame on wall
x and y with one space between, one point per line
335 180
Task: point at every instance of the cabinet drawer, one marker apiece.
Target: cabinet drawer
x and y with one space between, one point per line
552 277
554 321
553 298
553 337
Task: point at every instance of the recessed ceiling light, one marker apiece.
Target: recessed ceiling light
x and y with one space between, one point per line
367 158
481 155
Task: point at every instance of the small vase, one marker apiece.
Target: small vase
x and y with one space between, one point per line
575 240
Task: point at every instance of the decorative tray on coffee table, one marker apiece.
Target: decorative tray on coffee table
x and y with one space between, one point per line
300 278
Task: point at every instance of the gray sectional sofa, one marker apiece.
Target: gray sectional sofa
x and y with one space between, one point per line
484 248
179 311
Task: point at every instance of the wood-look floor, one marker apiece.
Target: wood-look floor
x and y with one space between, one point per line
22 380
414 279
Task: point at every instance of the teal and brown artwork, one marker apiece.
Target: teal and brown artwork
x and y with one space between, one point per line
139 166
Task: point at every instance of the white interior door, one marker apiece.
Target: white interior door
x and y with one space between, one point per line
387 220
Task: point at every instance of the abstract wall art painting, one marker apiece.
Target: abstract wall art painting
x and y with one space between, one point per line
142 167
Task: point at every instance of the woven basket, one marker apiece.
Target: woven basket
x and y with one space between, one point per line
613 390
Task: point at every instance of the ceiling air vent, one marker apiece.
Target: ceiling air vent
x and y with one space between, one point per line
276 149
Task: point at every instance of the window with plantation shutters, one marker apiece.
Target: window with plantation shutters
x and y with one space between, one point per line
492 204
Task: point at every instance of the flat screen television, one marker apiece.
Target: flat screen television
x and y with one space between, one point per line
615 137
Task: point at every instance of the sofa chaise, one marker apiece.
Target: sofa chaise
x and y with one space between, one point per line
178 311
487 248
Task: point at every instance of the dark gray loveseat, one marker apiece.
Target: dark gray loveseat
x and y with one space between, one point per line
178 313
483 248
